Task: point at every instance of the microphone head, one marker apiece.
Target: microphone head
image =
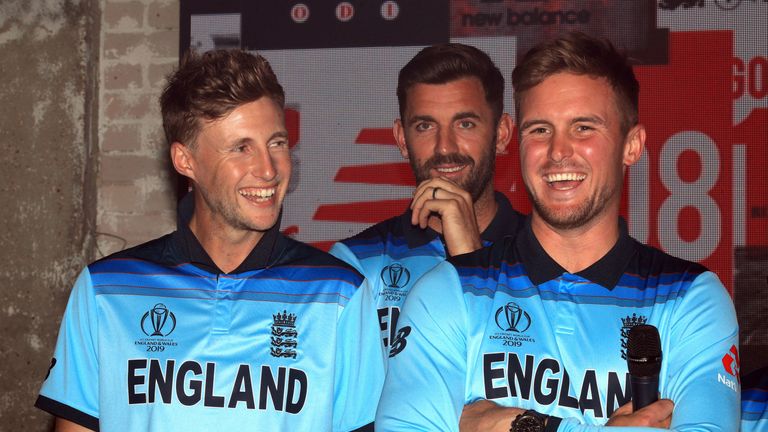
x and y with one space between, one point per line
643 351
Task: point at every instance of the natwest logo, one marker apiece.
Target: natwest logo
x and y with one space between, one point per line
731 362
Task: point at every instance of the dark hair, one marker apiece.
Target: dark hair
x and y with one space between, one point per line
580 54
441 64
209 86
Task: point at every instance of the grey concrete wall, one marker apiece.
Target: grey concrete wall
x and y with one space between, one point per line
83 165
48 78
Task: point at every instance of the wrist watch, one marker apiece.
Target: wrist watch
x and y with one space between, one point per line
529 421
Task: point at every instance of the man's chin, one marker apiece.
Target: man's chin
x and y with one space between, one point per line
565 219
262 225
259 223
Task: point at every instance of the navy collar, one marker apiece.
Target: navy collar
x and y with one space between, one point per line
193 252
606 271
506 221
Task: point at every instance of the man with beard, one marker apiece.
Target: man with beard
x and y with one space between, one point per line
451 126
224 324
530 334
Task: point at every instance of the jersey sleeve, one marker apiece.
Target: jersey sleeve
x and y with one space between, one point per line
344 253
425 384
700 362
702 367
360 362
71 390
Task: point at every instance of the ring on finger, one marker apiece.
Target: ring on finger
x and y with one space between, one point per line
434 193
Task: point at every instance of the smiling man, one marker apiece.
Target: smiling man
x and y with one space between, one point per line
451 127
224 324
530 334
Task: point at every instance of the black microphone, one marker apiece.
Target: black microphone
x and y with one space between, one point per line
644 364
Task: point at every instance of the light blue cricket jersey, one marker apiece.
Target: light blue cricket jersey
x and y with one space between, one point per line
156 338
393 254
508 324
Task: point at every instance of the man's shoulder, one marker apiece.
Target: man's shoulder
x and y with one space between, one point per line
488 257
387 242
160 251
654 262
299 255
376 235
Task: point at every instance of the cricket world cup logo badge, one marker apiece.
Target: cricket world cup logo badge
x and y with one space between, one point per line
158 321
395 276
511 317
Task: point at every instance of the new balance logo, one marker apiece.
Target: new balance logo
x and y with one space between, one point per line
399 342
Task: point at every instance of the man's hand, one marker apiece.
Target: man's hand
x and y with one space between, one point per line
484 416
657 414
454 207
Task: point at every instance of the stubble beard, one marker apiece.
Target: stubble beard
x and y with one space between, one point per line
573 217
228 211
480 174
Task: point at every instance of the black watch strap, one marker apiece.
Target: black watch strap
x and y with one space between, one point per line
552 424
532 421
529 421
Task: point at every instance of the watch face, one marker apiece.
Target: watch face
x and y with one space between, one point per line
528 423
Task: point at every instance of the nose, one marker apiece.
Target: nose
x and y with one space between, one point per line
560 148
263 165
446 142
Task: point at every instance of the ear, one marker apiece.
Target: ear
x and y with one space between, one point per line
634 144
504 133
183 160
399 132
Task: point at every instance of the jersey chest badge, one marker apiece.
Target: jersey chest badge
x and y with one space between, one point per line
157 323
513 322
394 279
284 341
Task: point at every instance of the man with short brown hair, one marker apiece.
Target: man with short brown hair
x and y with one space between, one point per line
224 324
530 333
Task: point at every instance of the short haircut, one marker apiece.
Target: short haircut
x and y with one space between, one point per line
209 86
580 54
444 63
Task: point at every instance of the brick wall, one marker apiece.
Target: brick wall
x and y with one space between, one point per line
139 46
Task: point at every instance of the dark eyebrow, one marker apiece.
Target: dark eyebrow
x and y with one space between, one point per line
241 141
458 116
248 140
584 119
588 119
278 134
528 123
466 115
418 118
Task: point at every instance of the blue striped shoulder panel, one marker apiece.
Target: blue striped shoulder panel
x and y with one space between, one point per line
651 277
301 274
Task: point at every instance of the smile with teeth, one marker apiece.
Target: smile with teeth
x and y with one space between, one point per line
449 169
259 194
558 177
